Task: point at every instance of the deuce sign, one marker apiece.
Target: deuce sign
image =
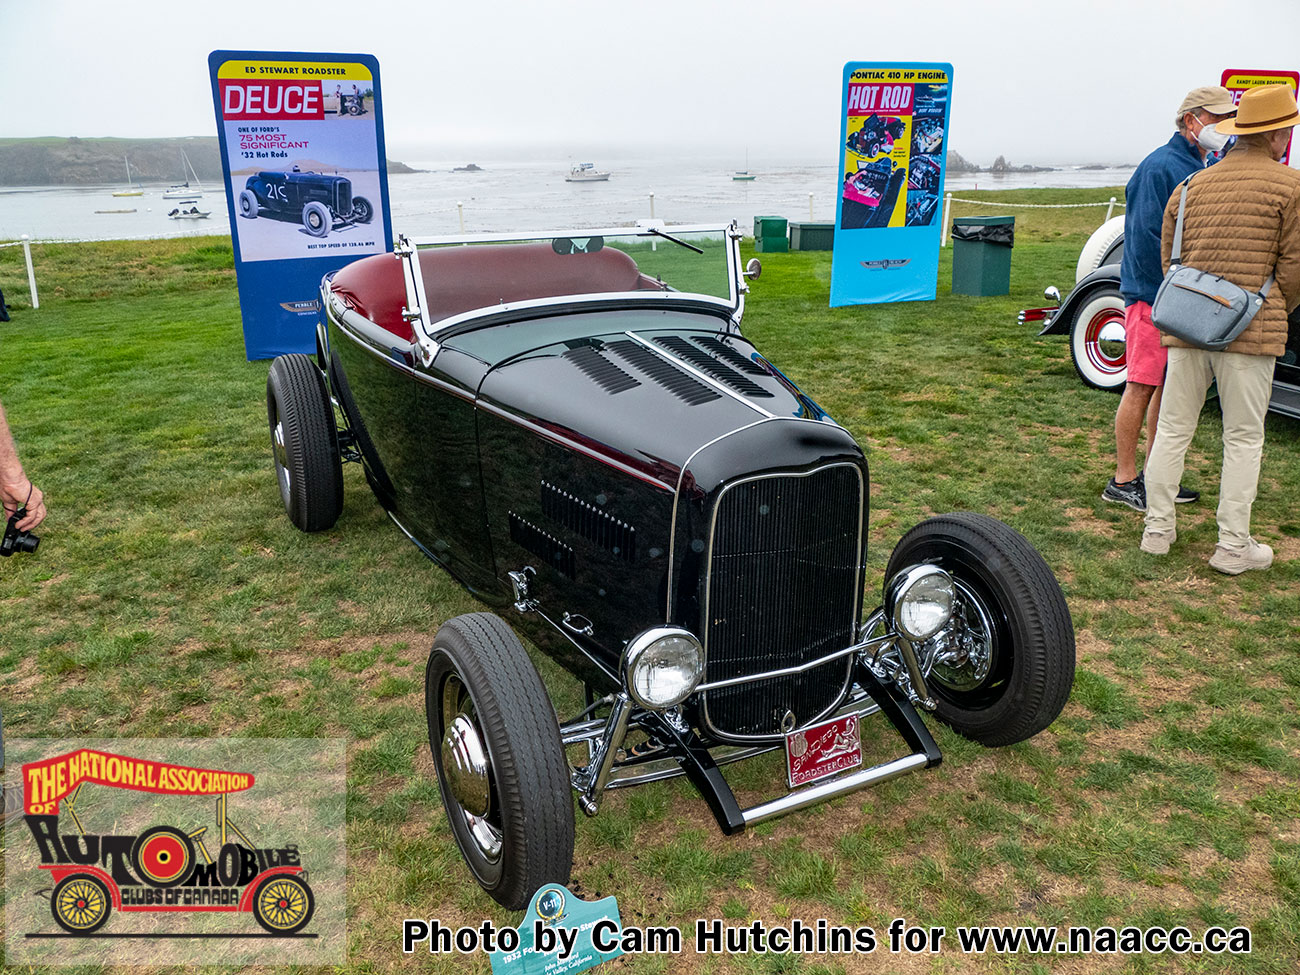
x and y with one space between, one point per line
272 100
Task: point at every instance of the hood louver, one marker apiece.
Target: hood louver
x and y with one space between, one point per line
600 370
716 368
677 381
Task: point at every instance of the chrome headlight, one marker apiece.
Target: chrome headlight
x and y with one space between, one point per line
919 601
662 666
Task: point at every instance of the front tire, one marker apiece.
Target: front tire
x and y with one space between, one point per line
304 443
1010 665
316 218
501 767
362 211
81 904
1097 341
283 903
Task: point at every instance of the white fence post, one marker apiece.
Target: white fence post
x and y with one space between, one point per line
810 210
31 275
652 205
947 216
1110 209
460 212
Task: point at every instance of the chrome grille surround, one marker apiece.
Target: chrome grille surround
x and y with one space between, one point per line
781 593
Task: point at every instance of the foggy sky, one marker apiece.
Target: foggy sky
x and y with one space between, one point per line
1039 82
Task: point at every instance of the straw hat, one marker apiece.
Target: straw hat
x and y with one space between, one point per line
1262 110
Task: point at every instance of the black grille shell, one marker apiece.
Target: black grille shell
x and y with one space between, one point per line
345 198
782 590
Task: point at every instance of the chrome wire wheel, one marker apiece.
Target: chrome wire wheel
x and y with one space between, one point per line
963 655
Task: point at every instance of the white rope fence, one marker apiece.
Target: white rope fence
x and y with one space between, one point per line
949 200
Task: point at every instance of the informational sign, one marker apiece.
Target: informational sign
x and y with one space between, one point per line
302 147
893 142
1238 80
562 935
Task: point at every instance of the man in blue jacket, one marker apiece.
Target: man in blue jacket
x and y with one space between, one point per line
1141 272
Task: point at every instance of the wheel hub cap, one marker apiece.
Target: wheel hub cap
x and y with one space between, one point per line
465 762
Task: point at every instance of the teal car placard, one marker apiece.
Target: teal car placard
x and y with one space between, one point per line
556 935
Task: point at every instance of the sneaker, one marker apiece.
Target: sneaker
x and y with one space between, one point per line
1185 495
1132 493
1235 561
1157 543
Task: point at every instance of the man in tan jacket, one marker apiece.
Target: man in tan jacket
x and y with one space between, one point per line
1241 222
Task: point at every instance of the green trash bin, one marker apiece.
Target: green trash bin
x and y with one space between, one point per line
981 255
770 235
807 236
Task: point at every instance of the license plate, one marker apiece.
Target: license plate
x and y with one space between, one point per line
822 750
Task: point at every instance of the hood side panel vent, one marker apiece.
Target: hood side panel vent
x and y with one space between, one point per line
707 363
677 381
585 519
545 546
600 370
729 355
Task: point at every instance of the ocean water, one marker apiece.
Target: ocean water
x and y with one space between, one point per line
512 194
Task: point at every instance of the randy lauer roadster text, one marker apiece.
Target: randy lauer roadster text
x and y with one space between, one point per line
575 428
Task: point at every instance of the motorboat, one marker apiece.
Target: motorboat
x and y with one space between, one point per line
189 210
586 173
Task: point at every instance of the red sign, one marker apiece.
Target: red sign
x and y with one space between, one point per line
272 100
880 99
825 749
1238 80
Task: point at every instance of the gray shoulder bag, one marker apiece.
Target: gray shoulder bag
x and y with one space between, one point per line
1204 311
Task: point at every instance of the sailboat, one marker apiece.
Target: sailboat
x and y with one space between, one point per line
744 175
131 190
179 191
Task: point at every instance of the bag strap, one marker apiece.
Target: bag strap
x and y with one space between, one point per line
1178 238
1178 226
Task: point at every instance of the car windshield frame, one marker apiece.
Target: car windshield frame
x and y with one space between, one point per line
429 331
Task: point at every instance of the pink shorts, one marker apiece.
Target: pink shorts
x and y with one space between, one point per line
1143 353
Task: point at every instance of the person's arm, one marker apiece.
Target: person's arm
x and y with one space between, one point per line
1287 271
16 491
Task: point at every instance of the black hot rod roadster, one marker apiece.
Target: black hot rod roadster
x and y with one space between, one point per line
320 201
575 428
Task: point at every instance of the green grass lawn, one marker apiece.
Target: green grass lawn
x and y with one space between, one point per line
172 597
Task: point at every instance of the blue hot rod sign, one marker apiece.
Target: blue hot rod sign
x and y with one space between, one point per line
893 130
302 146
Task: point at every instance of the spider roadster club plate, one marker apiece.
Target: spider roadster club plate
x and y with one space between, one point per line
822 750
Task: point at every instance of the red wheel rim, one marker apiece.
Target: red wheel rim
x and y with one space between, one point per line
1100 350
163 858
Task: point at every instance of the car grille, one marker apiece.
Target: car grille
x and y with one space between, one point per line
345 199
782 591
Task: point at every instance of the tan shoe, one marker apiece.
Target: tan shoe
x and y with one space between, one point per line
1157 543
1235 561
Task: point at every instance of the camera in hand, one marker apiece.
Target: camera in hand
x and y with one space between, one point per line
15 540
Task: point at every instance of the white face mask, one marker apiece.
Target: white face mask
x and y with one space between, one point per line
1209 138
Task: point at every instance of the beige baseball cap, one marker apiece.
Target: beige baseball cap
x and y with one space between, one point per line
1212 98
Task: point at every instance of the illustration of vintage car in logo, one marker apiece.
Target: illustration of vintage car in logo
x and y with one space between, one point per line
323 203
163 867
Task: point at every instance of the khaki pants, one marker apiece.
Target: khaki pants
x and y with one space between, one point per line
1245 384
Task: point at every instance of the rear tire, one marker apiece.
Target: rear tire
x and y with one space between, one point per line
1017 666
511 811
1097 341
1098 247
80 903
304 443
247 204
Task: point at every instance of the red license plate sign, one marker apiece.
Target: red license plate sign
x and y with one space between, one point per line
825 749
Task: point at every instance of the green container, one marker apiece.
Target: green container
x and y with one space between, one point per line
769 227
981 267
772 245
812 236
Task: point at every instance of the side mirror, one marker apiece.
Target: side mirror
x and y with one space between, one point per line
754 268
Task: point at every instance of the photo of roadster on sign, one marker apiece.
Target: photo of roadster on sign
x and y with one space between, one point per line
575 427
